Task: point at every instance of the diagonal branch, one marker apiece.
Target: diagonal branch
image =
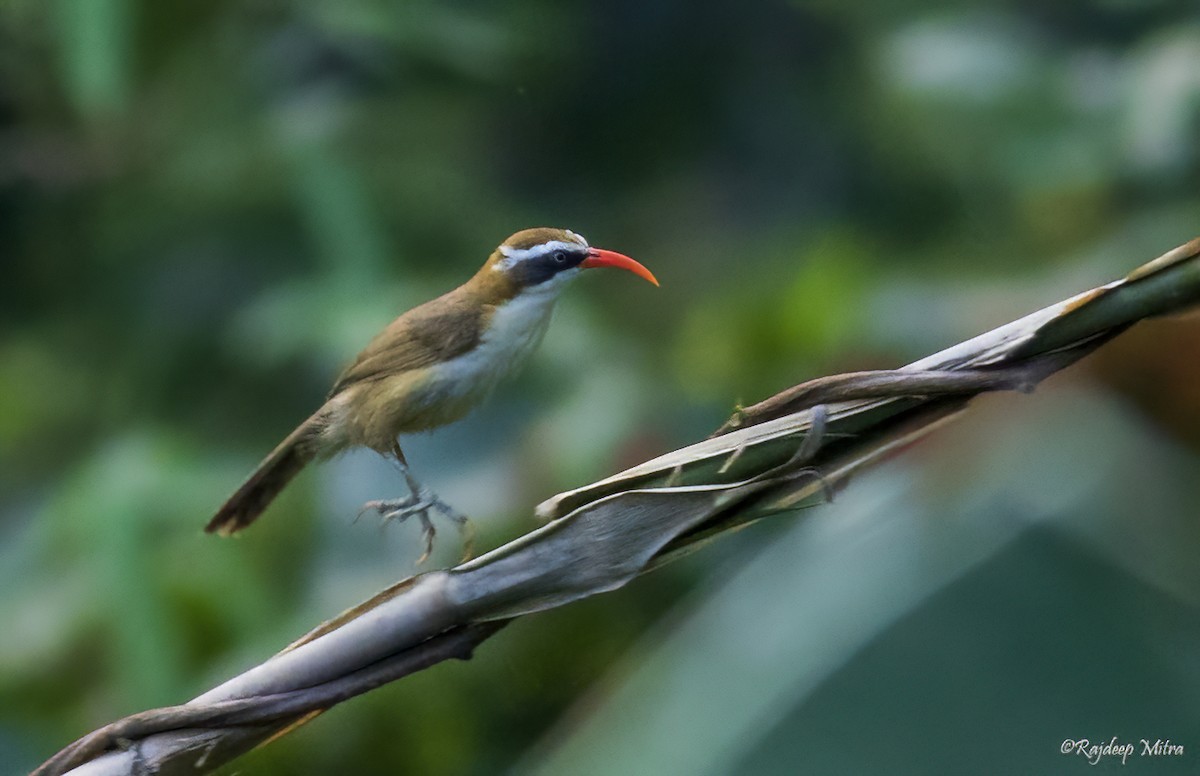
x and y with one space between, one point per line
782 454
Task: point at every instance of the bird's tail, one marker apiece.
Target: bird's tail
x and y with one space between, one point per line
272 475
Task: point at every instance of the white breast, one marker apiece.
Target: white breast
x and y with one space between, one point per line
514 332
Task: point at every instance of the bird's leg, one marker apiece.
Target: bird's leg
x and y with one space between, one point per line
420 501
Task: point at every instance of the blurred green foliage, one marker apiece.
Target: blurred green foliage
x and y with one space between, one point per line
207 208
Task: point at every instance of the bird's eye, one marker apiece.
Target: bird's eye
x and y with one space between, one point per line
560 257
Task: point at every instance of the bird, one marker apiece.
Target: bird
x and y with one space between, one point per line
428 368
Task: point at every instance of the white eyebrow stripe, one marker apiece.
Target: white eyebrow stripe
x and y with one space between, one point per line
515 255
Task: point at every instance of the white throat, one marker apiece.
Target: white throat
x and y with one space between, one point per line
518 325
513 333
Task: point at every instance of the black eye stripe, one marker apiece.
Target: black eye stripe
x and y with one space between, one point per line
543 265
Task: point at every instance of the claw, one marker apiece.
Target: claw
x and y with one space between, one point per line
421 500
372 506
419 504
466 529
427 533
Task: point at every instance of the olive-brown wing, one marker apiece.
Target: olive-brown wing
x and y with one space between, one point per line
432 333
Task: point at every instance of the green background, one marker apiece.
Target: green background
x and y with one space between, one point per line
207 208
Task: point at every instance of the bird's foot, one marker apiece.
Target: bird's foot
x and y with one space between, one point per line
419 504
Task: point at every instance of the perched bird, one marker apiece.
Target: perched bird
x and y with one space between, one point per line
428 368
